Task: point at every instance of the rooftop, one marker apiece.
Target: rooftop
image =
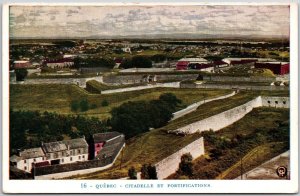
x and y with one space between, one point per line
28 154
63 145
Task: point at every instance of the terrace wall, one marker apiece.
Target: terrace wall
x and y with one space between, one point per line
238 79
170 164
242 87
169 85
224 119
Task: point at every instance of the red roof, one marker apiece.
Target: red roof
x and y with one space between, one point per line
118 60
182 63
219 63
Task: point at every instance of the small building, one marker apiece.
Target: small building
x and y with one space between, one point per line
182 65
27 158
104 144
118 62
278 68
220 64
21 64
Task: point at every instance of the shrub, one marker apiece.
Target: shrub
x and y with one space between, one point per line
84 105
21 74
104 103
132 173
186 165
74 106
148 172
93 106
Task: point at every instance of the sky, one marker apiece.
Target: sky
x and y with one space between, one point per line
103 21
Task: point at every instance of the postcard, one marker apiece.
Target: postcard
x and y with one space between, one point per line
150 98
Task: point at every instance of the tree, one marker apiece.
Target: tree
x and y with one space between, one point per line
148 171
141 62
74 106
84 105
104 103
132 173
186 165
21 74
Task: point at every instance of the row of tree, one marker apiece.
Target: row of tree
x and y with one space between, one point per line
133 118
29 128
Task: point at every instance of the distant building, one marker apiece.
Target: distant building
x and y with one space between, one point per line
183 63
60 63
278 68
126 49
118 62
21 64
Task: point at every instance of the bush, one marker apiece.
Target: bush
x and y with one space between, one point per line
93 106
132 173
74 106
84 105
148 172
104 103
21 74
186 165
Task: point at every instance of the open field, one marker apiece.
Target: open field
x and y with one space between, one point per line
58 97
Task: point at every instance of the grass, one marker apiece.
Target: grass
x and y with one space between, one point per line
255 150
155 145
254 158
97 87
58 97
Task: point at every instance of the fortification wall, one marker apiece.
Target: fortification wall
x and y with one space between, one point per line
242 87
170 164
223 119
226 118
77 81
194 106
277 102
169 85
239 79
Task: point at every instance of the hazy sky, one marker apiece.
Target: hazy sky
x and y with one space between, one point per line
84 21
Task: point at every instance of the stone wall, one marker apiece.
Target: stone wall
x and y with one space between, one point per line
238 79
242 87
72 169
170 164
228 117
169 85
138 78
277 102
194 106
77 81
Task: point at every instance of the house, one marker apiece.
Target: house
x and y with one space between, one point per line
60 63
66 151
278 68
27 158
106 144
182 65
21 64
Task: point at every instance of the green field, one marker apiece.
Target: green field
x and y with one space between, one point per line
58 97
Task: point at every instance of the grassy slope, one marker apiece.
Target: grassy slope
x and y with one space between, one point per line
57 97
268 119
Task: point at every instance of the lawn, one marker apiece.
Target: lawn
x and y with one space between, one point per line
58 97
